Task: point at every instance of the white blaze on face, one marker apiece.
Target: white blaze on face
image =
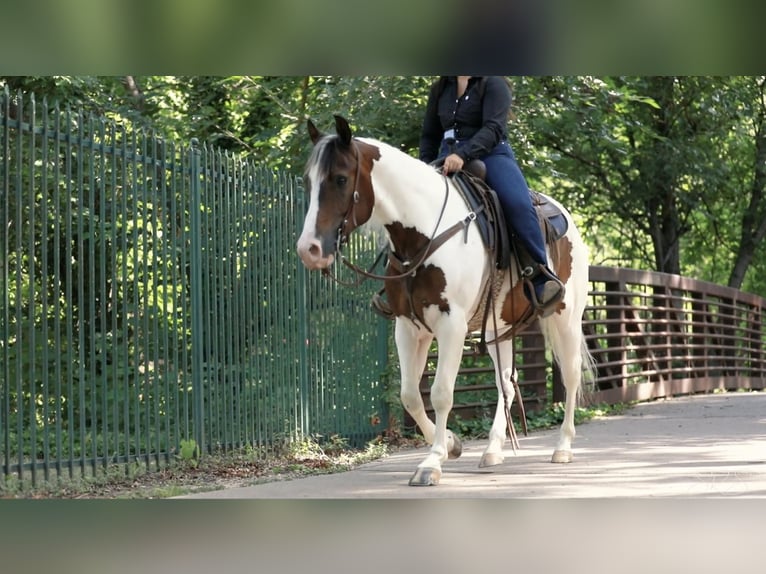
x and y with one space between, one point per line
309 247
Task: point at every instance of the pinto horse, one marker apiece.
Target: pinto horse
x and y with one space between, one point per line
356 182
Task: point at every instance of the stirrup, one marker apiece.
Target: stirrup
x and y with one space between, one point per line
553 292
380 306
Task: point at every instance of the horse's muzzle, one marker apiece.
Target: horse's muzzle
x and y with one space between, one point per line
311 253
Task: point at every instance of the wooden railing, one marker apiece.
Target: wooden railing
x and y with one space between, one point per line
651 335
654 335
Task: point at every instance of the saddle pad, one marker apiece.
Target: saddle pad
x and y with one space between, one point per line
491 223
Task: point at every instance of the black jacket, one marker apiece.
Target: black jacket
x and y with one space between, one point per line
480 123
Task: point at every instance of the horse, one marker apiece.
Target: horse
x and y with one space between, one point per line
356 182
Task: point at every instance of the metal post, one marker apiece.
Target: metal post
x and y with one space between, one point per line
197 335
297 202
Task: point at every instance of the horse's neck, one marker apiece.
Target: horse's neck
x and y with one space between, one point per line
409 192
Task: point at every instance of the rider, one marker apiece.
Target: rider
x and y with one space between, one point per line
466 118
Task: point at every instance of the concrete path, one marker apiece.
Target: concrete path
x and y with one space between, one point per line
699 446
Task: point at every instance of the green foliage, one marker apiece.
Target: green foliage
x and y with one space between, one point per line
189 451
473 428
654 168
551 416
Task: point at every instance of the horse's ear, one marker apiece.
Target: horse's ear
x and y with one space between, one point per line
343 129
314 133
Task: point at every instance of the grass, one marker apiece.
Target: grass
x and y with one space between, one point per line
552 416
287 460
193 473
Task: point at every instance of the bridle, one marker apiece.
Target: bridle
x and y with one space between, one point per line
409 266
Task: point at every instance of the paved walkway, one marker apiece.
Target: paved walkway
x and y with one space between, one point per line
698 446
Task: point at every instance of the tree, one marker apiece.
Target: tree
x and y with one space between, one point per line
753 228
664 173
652 164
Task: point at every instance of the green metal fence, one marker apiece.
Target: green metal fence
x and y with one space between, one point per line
150 295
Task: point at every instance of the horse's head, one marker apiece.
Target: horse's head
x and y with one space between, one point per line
337 178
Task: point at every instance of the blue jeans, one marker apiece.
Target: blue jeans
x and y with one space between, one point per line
505 177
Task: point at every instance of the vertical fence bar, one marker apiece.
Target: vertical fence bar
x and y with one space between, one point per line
197 328
167 307
128 188
57 287
181 201
210 277
175 295
248 304
117 190
18 225
301 300
44 281
237 274
68 255
156 372
145 301
29 228
103 347
133 393
5 383
81 303
225 380
212 262
89 294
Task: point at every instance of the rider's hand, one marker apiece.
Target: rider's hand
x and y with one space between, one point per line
452 163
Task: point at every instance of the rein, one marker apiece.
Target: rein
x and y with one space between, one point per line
434 242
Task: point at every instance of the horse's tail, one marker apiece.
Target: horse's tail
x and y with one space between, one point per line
589 368
565 343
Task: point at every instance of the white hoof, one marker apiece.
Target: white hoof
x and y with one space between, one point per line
562 456
426 477
491 459
457 448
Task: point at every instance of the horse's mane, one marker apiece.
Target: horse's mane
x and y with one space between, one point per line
322 157
410 162
319 156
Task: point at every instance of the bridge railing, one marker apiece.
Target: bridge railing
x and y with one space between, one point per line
651 335
654 335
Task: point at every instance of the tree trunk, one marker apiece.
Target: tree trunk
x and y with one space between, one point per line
754 218
661 182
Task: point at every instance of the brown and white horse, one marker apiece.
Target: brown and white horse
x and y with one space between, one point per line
361 181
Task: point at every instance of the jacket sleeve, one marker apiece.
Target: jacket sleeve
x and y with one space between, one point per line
495 108
431 134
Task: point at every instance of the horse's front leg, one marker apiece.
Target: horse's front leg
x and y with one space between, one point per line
445 443
412 345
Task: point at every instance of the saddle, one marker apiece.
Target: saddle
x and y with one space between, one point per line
490 219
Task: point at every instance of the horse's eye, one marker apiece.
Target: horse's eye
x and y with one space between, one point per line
341 180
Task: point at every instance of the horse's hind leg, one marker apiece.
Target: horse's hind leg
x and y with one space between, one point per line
567 342
493 454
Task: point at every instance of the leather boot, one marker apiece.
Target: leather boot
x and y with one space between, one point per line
381 307
546 290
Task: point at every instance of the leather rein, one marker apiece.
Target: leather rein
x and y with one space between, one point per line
410 268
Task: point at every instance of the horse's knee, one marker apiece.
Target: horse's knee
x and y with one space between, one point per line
410 398
441 399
